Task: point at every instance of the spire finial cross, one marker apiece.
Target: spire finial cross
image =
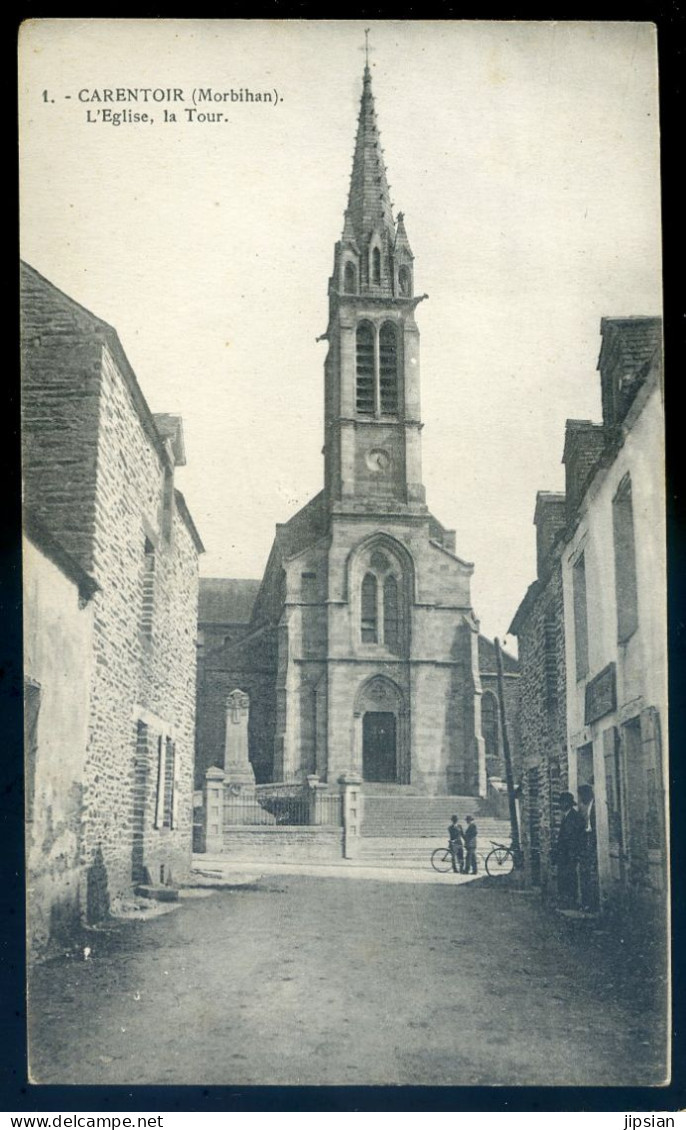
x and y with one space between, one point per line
366 47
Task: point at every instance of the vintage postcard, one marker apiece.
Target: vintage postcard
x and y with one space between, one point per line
344 553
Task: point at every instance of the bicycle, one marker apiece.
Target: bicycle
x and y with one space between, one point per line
500 861
442 860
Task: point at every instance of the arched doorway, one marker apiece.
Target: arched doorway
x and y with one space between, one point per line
379 746
381 728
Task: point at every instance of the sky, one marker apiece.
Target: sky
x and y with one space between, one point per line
525 157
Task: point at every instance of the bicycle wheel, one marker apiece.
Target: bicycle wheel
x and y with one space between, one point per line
500 861
442 859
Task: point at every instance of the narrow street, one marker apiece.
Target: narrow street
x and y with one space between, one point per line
298 979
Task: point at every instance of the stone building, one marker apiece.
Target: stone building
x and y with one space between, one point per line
592 629
539 627
111 714
362 651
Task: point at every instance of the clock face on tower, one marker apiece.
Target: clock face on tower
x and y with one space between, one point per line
378 459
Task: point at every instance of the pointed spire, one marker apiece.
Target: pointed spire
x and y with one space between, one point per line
369 203
402 243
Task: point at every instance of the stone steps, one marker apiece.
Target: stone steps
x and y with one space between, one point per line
416 816
491 829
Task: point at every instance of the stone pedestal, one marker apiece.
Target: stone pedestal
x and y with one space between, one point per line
213 811
237 767
353 799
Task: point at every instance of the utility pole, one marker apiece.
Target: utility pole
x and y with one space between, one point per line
509 776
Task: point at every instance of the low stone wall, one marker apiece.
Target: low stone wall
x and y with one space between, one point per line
294 844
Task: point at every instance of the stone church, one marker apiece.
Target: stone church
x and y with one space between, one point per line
359 649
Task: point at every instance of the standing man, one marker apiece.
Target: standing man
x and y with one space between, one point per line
456 838
567 853
470 835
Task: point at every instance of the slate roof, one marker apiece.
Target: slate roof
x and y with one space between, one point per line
305 528
64 316
487 663
67 315
226 600
635 340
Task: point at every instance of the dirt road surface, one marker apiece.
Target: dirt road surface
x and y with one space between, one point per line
308 980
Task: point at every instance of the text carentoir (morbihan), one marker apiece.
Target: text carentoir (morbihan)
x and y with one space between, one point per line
198 96
177 104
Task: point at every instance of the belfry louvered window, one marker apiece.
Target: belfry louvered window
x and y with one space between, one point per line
369 609
365 369
388 369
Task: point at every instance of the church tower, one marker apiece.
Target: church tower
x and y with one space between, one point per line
362 654
372 410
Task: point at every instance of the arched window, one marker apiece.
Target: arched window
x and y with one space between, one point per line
370 629
391 633
350 279
388 368
489 723
365 369
376 266
405 282
381 582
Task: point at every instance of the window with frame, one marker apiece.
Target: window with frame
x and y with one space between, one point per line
626 589
381 596
580 616
370 624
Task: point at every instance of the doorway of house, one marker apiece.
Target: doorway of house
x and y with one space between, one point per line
615 798
379 755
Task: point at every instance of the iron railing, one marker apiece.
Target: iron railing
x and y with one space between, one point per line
281 804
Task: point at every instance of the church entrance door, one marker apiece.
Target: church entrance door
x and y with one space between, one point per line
379 760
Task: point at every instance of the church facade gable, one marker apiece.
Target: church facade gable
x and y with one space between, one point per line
371 607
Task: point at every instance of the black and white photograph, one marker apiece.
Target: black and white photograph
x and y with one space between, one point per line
344 554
